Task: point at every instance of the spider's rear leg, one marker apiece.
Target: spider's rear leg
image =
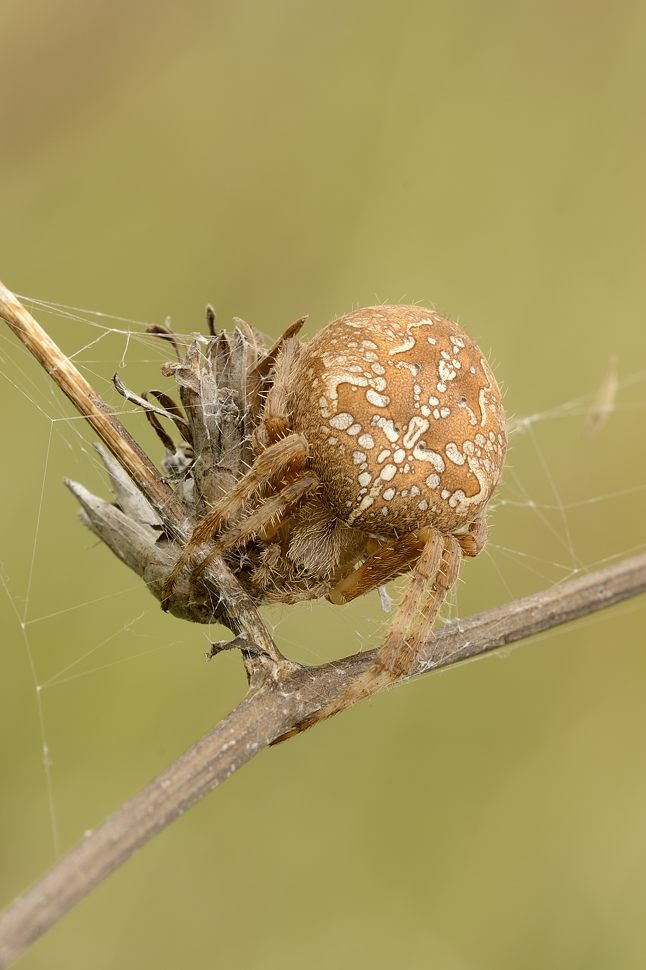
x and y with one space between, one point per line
411 626
438 564
385 562
388 560
283 458
474 538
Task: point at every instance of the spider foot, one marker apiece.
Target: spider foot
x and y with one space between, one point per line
396 663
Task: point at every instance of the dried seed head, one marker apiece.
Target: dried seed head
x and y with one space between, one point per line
404 420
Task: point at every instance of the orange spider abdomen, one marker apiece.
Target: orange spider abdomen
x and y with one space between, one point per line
404 420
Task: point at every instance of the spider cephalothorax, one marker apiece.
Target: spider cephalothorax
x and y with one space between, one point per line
372 451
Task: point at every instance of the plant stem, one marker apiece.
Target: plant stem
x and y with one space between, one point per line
283 696
269 713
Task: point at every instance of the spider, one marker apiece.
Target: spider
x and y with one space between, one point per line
376 449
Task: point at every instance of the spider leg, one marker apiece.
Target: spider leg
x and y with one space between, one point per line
391 559
474 539
274 422
438 565
259 374
279 459
387 560
282 458
266 517
432 558
409 629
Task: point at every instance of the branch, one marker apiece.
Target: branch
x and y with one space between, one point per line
267 714
282 695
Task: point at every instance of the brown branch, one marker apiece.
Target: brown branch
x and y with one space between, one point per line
266 714
282 696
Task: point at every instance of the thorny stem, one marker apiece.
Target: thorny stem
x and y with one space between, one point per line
275 705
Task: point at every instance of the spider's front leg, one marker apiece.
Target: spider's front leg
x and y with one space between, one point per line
284 458
264 521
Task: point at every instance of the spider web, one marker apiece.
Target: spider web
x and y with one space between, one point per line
545 529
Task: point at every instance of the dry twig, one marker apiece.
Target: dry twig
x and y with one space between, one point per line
282 695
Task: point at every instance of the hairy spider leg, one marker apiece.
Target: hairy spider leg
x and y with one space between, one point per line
473 541
406 637
263 366
437 567
388 560
284 457
267 516
274 423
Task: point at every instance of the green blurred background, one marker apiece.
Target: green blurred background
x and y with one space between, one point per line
283 158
